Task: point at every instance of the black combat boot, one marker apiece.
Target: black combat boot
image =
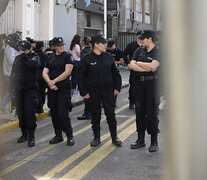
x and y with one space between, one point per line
96 141
70 139
24 136
115 140
84 117
131 106
58 137
31 140
140 142
154 143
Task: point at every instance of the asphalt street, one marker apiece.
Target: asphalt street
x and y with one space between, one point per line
104 162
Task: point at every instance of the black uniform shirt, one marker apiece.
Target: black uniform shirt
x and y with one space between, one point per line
98 71
116 53
142 55
56 65
129 51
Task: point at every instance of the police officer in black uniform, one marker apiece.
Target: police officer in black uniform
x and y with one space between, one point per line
99 80
145 63
24 83
86 49
115 52
117 55
51 50
129 51
41 83
56 74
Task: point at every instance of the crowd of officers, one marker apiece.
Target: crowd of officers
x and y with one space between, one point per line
99 83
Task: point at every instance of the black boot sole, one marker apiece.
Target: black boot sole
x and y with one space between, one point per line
22 141
153 150
56 142
95 144
137 147
117 144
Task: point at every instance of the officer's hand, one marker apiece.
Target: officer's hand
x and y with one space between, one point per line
87 96
129 66
50 83
54 87
116 92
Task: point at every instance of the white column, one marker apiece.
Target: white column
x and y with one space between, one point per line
186 122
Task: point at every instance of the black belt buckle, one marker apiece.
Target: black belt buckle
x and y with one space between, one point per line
141 78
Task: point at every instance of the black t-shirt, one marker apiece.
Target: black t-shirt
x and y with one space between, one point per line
56 65
116 53
142 55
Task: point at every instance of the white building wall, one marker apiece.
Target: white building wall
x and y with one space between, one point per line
7 19
65 24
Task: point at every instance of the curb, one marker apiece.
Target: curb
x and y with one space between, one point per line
15 124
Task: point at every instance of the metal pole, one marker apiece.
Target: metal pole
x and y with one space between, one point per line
105 18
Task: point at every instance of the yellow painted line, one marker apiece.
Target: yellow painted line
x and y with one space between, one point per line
22 162
45 149
96 157
75 156
15 124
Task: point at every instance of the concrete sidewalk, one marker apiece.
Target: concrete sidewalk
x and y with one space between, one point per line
9 121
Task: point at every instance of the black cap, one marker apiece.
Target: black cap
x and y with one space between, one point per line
147 34
139 33
98 39
25 45
32 41
58 41
51 43
39 44
110 43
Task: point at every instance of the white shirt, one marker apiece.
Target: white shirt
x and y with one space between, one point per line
75 51
9 56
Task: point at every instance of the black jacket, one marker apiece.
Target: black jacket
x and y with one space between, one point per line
43 60
84 51
129 51
24 72
98 71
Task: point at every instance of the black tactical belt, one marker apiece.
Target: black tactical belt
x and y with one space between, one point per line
147 78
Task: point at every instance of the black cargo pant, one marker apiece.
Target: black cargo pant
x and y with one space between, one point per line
106 97
42 94
59 103
87 108
147 102
26 102
132 87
